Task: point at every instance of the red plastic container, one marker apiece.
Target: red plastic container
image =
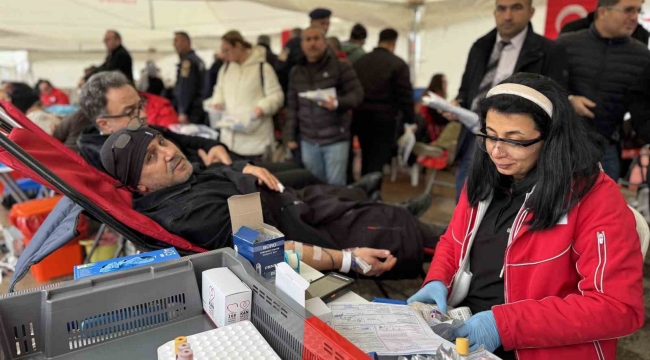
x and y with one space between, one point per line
321 342
28 217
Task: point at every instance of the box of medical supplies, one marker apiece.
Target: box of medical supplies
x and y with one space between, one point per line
129 314
226 299
259 243
123 263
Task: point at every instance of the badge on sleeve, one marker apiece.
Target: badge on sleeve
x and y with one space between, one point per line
186 66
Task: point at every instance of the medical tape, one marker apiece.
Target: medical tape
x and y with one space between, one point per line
298 248
318 253
347 261
293 260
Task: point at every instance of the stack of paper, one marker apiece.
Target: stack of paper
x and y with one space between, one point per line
385 329
468 118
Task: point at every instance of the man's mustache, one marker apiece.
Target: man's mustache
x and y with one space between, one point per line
174 162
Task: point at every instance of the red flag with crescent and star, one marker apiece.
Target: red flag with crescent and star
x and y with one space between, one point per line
560 12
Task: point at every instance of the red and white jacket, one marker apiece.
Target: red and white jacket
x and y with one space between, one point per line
570 291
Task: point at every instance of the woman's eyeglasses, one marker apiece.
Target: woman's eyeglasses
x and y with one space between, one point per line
516 149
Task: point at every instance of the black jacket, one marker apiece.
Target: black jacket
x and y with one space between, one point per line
90 144
640 33
603 70
386 81
197 210
271 58
211 77
640 105
321 215
293 51
190 75
315 123
120 60
538 55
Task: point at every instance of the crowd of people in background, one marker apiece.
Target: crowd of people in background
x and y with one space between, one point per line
374 90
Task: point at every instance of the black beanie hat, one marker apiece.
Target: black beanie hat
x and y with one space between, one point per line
126 164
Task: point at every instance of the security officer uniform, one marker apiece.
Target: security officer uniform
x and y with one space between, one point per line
187 92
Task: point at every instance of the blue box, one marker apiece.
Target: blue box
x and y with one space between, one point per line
259 243
124 263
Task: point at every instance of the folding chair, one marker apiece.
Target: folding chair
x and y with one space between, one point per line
26 148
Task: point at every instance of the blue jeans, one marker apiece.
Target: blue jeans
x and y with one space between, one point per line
611 162
463 169
327 162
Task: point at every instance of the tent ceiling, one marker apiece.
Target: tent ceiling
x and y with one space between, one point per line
78 25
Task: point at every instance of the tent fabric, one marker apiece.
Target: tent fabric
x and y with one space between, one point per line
78 25
97 186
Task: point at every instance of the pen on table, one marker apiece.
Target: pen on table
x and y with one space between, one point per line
388 301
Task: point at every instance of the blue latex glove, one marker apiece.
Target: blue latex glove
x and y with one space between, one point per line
434 292
480 329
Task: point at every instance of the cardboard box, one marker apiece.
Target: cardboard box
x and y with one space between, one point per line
124 263
249 231
226 299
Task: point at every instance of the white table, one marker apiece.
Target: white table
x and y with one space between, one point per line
310 274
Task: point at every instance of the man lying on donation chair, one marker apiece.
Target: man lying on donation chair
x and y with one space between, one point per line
192 203
110 103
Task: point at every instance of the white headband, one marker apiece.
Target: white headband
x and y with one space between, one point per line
525 92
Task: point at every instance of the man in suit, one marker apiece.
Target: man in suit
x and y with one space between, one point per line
510 48
118 57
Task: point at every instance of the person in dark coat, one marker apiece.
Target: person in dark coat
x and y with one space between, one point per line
604 63
265 42
118 57
323 127
292 52
640 33
212 76
190 75
330 217
388 94
510 48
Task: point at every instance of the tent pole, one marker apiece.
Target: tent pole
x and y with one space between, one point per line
415 41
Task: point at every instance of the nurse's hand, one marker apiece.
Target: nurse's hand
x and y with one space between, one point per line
480 329
433 292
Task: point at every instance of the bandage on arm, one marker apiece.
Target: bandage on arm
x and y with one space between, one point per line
317 257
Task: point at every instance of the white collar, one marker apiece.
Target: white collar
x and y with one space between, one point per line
518 40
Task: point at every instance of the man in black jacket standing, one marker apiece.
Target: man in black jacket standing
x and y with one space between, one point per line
640 33
292 52
325 124
118 57
386 82
604 63
510 48
190 75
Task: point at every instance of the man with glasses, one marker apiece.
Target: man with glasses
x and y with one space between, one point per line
604 63
510 48
111 103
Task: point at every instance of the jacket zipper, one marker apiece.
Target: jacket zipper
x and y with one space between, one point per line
602 260
514 230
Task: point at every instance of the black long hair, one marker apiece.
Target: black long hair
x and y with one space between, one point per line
567 167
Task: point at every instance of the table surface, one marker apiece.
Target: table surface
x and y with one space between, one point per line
310 274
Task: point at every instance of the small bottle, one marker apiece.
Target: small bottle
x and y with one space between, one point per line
179 340
185 354
462 347
184 346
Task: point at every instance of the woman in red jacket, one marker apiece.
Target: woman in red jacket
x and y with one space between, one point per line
542 246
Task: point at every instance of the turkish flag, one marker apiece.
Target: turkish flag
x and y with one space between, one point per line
560 12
